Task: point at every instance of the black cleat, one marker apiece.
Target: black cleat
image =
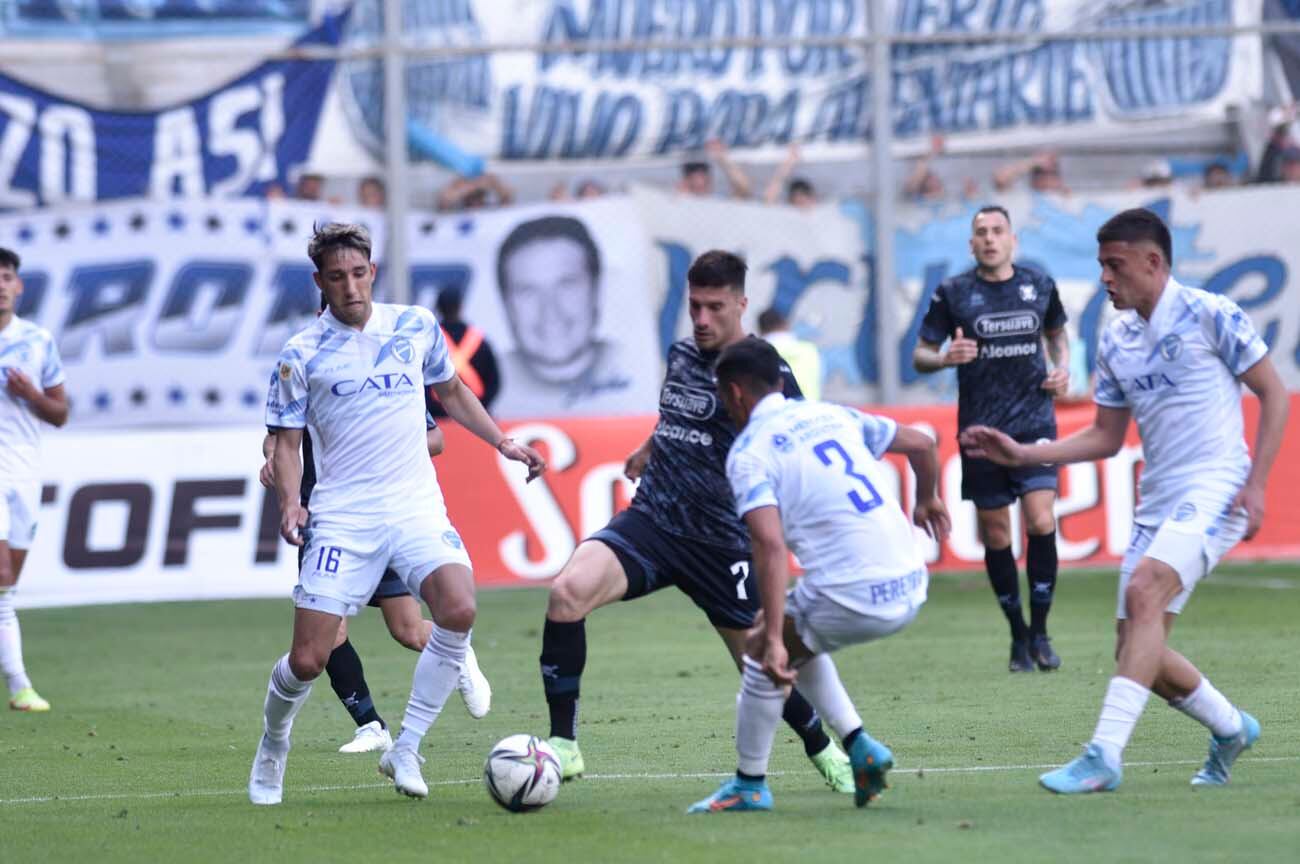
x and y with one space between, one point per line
1020 659
1040 648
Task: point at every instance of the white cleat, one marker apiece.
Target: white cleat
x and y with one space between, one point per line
474 687
402 766
266 781
368 738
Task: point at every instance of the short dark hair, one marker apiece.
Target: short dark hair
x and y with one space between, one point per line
799 185
771 319
548 228
695 167
331 236
751 363
991 208
718 269
9 258
448 303
1135 226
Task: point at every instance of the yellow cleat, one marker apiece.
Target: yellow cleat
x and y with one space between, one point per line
28 699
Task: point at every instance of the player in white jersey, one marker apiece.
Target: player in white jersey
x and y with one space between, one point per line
1174 360
355 377
32 377
806 477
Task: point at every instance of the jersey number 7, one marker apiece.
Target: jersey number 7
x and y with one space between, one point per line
863 505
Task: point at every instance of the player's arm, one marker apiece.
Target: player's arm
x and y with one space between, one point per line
463 406
1101 440
1274 404
923 455
1057 381
50 404
287 459
634 467
435 440
929 357
267 475
771 562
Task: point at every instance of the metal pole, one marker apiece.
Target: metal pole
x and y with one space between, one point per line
395 153
882 140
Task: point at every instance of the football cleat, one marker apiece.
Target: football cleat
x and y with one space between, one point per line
266 780
474 687
1217 770
1020 659
1040 650
571 764
368 738
27 699
402 766
871 761
736 796
833 765
1087 773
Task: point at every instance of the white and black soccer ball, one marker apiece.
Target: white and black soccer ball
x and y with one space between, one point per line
522 773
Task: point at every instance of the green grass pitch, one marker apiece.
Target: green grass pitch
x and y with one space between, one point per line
157 710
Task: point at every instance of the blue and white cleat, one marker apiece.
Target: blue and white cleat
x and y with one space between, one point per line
1087 773
1217 770
871 761
735 796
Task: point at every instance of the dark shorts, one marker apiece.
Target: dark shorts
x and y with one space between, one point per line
391 585
719 581
992 486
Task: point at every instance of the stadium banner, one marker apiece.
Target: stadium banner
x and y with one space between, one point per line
236 140
574 102
179 515
175 313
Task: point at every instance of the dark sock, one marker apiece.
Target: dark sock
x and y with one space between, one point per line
1041 564
851 737
349 682
752 778
803 719
1005 579
564 654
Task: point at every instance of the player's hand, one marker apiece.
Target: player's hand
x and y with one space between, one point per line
18 384
634 467
776 663
983 442
267 475
513 450
960 350
1250 499
932 518
293 519
1057 383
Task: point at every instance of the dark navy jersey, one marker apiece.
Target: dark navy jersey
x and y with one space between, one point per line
1002 387
684 488
309 461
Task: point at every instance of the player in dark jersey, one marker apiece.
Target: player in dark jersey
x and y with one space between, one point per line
998 316
681 529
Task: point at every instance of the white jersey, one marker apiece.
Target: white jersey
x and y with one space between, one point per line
31 350
819 464
1178 374
361 396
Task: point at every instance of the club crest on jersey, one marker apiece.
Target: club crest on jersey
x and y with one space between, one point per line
1028 292
285 371
782 443
452 539
1171 346
403 349
1185 511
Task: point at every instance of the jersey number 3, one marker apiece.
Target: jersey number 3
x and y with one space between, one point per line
863 505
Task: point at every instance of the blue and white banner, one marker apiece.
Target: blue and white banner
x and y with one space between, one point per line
233 141
578 103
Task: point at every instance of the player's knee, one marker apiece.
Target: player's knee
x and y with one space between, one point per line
1142 597
1040 523
411 634
456 613
994 535
568 601
307 662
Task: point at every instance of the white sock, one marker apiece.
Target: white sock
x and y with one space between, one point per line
1211 708
819 682
758 713
436 675
285 696
1125 699
11 644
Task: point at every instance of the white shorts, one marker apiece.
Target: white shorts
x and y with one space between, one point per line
19 504
342 563
1200 530
828 621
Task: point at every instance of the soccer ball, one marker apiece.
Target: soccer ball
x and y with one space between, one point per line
522 773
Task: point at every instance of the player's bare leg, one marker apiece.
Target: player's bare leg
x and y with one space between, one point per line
1038 510
22 696
994 527
411 629
449 593
591 578
314 636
